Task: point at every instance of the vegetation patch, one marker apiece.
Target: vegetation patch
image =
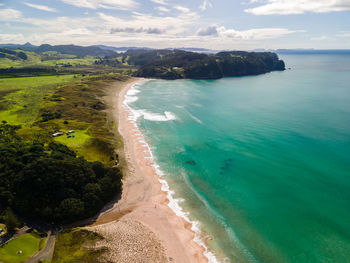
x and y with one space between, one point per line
75 245
76 140
19 249
81 109
49 182
22 97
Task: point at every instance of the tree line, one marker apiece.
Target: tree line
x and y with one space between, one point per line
49 182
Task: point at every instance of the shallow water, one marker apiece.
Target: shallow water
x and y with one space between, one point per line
263 162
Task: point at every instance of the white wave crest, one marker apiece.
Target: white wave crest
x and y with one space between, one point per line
168 116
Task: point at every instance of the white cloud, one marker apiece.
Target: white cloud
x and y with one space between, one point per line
175 29
106 4
182 9
9 14
205 5
10 38
162 9
287 7
41 7
254 34
169 24
322 38
343 34
161 2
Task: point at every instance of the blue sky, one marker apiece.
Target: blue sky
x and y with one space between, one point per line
214 24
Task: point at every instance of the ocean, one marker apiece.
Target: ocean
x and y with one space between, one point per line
259 164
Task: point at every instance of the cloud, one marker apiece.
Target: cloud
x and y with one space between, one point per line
106 4
170 24
162 9
250 34
254 34
182 9
209 31
205 5
41 7
343 34
174 29
287 7
322 38
9 14
137 30
161 2
8 38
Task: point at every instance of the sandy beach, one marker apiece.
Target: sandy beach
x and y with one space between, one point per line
142 213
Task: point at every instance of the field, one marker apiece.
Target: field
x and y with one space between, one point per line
45 59
45 104
73 246
27 243
21 98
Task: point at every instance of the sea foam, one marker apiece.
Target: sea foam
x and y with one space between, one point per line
174 203
131 97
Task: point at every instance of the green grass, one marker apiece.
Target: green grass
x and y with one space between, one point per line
42 243
73 246
77 100
75 62
27 243
33 59
21 98
56 60
81 138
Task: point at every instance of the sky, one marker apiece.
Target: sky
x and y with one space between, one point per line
212 24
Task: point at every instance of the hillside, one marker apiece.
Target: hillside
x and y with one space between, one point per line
178 64
149 63
79 51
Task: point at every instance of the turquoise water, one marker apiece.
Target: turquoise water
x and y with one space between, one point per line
263 162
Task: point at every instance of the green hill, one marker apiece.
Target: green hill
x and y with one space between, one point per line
178 64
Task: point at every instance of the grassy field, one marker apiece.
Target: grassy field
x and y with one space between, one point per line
74 62
70 102
43 59
73 246
27 243
78 106
21 98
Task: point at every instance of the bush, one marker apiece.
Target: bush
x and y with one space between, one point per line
11 221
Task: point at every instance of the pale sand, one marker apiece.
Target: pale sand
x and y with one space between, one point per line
143 207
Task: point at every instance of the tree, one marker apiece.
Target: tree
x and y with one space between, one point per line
11 221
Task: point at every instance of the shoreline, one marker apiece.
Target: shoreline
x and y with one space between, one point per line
144 199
